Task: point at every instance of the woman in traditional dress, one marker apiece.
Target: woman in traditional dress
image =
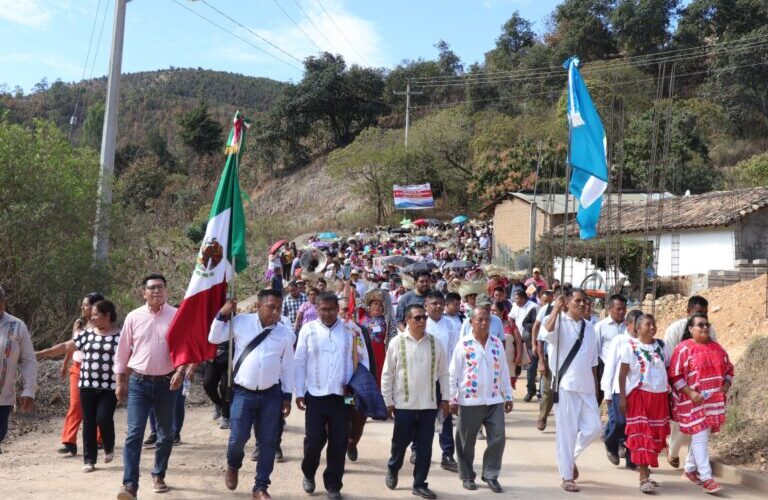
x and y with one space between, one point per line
700 373
375 321
644 397
513 342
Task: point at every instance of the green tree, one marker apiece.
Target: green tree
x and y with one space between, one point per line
47 208
200 132
687 165
752 172
94 125
641 26
143 181
582 27
517 36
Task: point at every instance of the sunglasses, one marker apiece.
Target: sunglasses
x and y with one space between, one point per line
419 317
155 287
702 325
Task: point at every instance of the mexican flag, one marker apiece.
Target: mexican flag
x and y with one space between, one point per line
221 254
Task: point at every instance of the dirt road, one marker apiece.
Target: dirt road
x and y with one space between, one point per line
30 468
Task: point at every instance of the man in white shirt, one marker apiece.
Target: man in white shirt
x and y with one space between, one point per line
263 383
452 310
606 329
496 326
480 393
324 363
415 362
524 314
614 437
576 411
672 337
446 331
17 355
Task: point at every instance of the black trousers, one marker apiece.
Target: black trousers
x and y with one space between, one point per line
417 426
326 419
215 384
98 410
531 375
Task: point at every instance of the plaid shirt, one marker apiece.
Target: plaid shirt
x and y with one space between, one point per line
291 306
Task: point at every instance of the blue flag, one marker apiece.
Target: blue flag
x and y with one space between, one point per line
586 152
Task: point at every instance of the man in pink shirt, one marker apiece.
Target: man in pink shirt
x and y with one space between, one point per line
146 379
537 280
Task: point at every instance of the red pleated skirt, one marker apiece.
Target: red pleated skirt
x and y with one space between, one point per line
379 353
647 426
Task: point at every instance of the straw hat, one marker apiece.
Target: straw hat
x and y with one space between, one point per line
373 295
472 288
311 277
408 282
494 270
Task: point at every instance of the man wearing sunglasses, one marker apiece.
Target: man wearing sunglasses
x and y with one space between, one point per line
415 362
147 379
672 337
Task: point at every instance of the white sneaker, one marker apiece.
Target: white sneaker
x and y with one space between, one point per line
89 468
216 414
224 423
108 457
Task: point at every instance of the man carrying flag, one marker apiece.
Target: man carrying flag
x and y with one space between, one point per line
586 152
222 254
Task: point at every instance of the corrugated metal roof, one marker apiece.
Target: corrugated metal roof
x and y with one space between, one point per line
714 209
555 204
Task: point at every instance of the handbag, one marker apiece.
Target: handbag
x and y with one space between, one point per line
367 397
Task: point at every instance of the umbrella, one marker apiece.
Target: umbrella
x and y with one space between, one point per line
405 222
397 260
320 244
418 267
459 219
420 222
400 230
460 264
327 236
276 246
422 239
433 222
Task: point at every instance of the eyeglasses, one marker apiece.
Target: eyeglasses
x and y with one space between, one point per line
155 287
702 325
419 317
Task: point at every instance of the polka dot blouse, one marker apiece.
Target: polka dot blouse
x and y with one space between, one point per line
96 370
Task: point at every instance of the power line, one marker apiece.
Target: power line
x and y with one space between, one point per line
342 33
297 25
523 76
629 82
316 27
73 118
177 2
252 32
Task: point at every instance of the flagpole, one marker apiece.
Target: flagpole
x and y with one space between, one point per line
231 292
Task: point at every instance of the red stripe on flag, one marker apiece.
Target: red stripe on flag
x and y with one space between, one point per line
188 333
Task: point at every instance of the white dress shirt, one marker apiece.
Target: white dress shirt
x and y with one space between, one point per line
609 383
411 369
579 376
519 313
446 331
496 328
270 363
606 330
323 358
479 374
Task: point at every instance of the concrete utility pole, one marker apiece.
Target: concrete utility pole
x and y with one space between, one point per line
408 93
534 214
108 139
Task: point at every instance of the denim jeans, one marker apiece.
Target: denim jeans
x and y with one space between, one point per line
614 429
5 413
178 417
144 395
264 409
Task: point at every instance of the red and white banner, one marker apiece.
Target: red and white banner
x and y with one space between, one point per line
413 197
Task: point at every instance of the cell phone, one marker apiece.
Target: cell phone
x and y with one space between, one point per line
349 400
347 271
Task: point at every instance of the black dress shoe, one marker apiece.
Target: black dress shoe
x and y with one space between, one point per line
352 453
528 398
424 492
469 484
334 495
493 484
391 480
308 485
612 457
449 464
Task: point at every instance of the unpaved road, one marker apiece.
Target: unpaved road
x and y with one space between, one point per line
30 468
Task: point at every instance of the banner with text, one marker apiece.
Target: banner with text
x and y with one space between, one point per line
413 197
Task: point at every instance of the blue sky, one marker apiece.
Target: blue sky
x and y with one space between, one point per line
49 38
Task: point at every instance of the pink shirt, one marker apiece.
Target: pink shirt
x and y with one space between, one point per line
143 345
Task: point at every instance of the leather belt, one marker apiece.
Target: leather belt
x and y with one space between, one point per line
257 391
153 378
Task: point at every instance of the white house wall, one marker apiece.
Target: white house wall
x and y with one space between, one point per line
700 251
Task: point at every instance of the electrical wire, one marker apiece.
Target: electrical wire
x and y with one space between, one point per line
316 27
245 40
251 31
296 24
341 32
85 66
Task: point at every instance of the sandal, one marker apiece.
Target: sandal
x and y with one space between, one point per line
575 472
674 461
569 486
693 477
646 486
711 486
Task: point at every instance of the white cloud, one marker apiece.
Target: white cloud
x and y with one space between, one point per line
30 13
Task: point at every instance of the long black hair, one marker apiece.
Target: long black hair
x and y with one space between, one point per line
687 334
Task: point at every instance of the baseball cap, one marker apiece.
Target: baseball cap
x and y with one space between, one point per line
536 270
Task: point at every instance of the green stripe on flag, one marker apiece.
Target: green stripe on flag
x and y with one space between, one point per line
228 196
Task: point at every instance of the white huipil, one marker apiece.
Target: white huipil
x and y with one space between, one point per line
577 416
